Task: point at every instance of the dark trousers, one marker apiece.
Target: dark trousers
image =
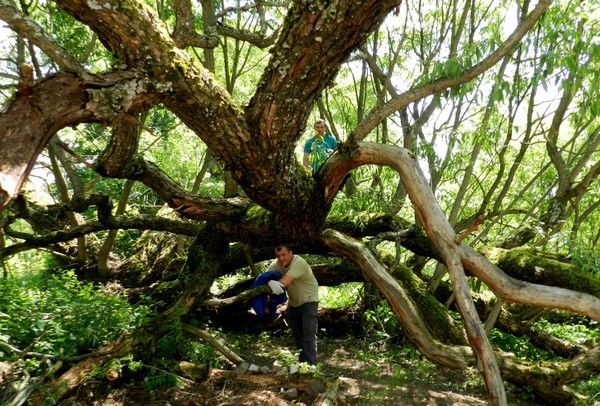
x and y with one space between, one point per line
304 323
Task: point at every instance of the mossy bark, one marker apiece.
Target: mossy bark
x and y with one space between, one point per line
434 314
537 267
548 380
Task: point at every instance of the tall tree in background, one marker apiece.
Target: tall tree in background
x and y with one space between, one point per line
463 93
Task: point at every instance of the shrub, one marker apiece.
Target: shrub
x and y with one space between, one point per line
56 314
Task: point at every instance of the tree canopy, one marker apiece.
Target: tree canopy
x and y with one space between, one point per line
468 146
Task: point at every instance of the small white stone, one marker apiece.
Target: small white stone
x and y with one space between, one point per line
276 366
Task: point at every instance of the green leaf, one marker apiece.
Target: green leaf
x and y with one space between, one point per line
571 64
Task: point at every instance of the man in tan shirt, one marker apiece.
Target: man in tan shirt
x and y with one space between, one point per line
303 297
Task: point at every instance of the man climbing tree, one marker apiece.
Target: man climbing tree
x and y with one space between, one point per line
318 148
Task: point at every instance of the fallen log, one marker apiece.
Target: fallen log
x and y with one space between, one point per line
534 267
78 373
548 380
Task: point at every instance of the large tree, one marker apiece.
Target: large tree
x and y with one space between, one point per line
148 61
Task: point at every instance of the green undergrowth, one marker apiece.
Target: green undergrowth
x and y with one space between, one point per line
344 295
577 334
47 316
52 313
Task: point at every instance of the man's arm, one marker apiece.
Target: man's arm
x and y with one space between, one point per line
286 281
305 160
277 286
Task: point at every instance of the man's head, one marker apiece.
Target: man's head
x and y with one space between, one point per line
284 255
320 127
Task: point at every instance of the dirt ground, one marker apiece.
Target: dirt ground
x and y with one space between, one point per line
348 372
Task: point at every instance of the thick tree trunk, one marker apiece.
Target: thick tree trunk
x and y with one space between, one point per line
203 265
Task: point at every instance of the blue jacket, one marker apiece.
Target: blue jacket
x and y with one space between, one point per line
319 151
260 303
